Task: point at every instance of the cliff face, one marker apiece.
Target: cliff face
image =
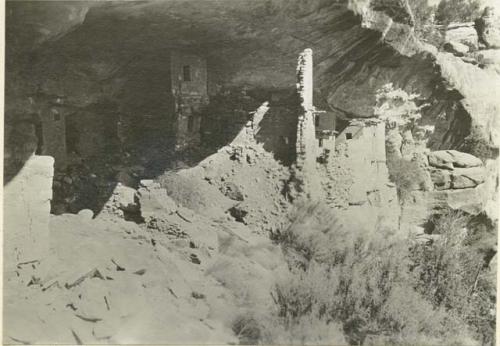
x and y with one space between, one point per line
104 59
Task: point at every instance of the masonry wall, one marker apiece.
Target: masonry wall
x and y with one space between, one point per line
189 95
307 149
364 143
26 212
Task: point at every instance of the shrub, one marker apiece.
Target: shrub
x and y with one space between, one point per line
476 144
425 28
362 281
449 11
407 175
449 273
396 106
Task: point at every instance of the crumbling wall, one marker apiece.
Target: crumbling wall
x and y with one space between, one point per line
26 211
356 177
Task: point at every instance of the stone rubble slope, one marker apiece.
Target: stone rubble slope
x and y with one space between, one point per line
183 275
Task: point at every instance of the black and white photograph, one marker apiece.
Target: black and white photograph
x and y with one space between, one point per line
250 172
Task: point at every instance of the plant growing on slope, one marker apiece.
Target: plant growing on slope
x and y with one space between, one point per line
401 113
407 175
360 279
425 27
476 144
449 11
396 107
451 274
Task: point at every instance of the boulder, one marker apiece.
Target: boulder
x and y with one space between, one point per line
461 159
124 198
440 159
153 199
423 204
462 178
462 33
456 48
232 191
489 59
86 214
449 159
239 212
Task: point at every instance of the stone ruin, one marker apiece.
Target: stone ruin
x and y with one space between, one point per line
457 179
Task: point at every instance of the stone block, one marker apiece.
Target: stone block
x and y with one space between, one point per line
462 178
153 199
461 159
449 159
440 159
124 198
456 48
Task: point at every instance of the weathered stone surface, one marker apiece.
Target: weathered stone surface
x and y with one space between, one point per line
440 159
456 48
441 179
467 177
232 191
86 214
423 204
153 199
26 211
463 34
458 178
489 59
452 158
124 198
461 159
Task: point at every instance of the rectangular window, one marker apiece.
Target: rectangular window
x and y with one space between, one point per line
186 73
348 135
316 120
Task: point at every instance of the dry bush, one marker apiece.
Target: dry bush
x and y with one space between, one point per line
407 175
361 281
476 144
451 274
449 11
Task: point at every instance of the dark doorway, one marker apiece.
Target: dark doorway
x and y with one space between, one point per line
186 73
72 138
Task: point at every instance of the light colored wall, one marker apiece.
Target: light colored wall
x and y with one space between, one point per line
307 148
26 212
367 159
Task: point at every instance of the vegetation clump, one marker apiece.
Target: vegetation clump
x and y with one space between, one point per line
449 11
375 287
476 144
406 175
